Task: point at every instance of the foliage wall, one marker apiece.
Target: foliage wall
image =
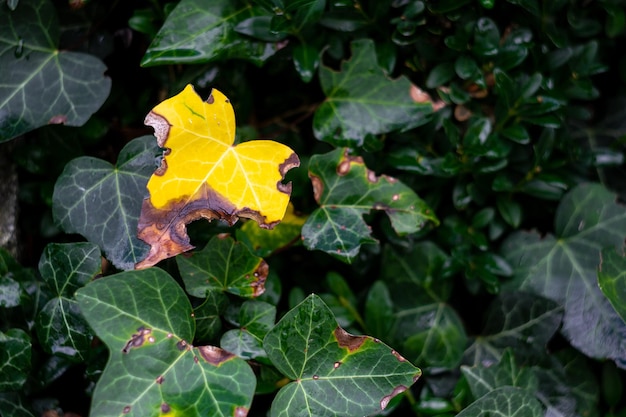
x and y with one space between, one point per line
454 239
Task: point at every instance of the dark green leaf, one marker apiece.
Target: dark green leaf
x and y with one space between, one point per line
68 267
446 6
62 330
41 84
15 353
510 210
486 37
379 310
207 315
102 202
306 59
146 321
505 402
196 32
440 74
345 190
520 320
563 268
612 279
223 265
11 405
485 379
256 319
517 133
259 27
361 100
466 67
331 370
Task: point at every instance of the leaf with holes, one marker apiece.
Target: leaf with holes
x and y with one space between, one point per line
346 189
203 175
146 321
361 100
41 84
332 372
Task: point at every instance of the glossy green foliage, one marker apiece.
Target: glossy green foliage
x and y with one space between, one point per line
457 215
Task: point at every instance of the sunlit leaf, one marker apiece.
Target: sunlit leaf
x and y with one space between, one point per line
346 189
197 32
332 372
612 279
361 100
203 175
563 268
145 319
61 328
40 83
102 202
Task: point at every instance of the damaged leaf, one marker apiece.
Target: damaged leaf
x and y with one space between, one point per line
146 321
203 175
330 369
346 189
223 265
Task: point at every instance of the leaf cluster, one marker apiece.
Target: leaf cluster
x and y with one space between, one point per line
459 199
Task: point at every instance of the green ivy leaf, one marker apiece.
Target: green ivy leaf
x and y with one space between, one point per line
12 405
361 101
207 315
223 265
145 320
40 83
102 202
484 379
379 310
520 320
256 319
504 402
563 268
60 326
306 59
612 279
196 32
332 372
346 190
15 352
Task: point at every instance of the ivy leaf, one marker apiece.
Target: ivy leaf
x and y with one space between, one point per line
563 268
102 202
504 402
196 32
60 326
264 242
12 404
204 175
521 320
612 279
223 265
145 320
40 83
361 101
484 379
15 352
332 372
346 189
256 319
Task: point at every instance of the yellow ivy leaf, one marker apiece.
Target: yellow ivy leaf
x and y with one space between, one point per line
204 175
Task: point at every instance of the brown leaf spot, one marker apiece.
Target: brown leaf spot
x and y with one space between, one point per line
462 113
214 355
126 409
58 119
390 180
316 377
181 345
398 356
385 400
292 162
160 125
165 408
165 229
418 95
160 379
336 365
395 197
318 187
240 412
371 176
346 340
137 339
260 275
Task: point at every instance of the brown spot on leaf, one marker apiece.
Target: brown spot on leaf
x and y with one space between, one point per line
165 229
181 345
385 400
165 408
292 162
316 377
137 339
336 365
160 379
398 356
462 113
160 125
126 409
210 99
318 187
346 340
395 197
214 355
240 412
371 176
58 119
260 276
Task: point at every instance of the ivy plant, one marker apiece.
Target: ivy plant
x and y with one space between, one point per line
418 209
